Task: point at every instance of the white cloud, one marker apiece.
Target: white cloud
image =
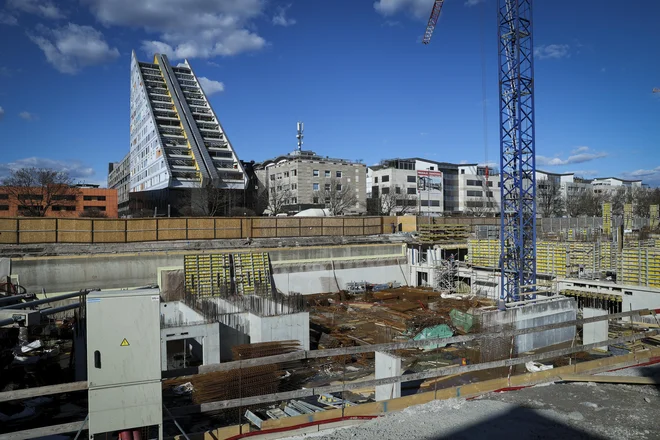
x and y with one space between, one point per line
43 8
210 86
552 51
2 113
280 19
417 8
8 19
73 47
187 28
470 3
578 155
75 169
648 176
28 116
391 23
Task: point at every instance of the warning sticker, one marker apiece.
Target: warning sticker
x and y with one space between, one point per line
124 343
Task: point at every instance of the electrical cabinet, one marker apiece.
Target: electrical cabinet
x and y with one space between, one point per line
123 360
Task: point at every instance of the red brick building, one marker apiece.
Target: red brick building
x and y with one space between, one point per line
82 201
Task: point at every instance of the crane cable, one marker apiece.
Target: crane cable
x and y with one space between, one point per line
484 92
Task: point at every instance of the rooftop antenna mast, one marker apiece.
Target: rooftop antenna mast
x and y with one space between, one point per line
300 135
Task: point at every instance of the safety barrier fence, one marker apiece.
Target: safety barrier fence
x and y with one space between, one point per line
62 230
376 407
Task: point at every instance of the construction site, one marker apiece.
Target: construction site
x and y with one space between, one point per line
434 327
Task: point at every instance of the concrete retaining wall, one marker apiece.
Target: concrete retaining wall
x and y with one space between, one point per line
113 271
534 315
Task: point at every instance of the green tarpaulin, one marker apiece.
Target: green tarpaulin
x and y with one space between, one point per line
439 331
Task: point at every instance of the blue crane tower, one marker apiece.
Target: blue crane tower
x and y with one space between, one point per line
517 147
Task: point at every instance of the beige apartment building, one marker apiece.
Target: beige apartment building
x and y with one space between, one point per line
303 180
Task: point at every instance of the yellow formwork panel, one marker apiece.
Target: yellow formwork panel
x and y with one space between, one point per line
252 273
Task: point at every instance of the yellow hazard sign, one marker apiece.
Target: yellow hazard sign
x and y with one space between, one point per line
124 343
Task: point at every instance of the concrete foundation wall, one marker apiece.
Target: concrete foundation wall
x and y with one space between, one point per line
535 315
112 271
387 365
334 276
632 297
595 331
280 328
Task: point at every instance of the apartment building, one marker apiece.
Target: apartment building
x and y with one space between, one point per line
176 140
78 201
302 179
396 186
478 190
119 176
604 185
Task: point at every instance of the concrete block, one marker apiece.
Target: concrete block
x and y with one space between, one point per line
387 365
595 331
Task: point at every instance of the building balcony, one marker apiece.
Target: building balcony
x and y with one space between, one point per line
208 128
160 98
172 136
200 119
166 116
184 77
163 106
196 103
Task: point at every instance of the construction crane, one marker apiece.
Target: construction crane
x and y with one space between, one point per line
517 146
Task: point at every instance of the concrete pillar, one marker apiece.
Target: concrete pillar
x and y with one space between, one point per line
595 331
387 365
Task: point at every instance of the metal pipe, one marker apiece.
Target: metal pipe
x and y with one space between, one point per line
45 312
15 297
7 321
44 301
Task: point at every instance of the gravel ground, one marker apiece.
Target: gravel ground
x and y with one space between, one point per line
551 411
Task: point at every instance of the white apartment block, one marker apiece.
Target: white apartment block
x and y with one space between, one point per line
478 189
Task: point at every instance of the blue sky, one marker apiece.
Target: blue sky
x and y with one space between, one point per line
354 71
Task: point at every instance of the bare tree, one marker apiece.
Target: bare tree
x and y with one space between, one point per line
277 199
549 200
585 203
37 190
92 213
337 197
395 204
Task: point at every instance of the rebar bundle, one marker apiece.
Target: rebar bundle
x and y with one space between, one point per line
262 349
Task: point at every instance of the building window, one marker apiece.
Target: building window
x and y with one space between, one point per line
489 194
294 200
4 196
435 202
385 190
286 174
462 171
4 207
386 179
412 191
339 187
397 190
412 179
376 179
315 200
473 183
315 173
294 186
327 187
327 173
294 172
338 174
86 208
475 193
272 177
315 186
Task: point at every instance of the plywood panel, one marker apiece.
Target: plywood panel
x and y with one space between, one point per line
352 221
8 228
372 230
332 221
288 222
312 231
141 230
332 231
408 223
264 232
203 228
311 221
109 231
171 229
74 231
37 230
288 232
264 222
387 224
228 228
372 221
353 230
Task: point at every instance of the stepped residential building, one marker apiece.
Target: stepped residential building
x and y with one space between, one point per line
177 144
